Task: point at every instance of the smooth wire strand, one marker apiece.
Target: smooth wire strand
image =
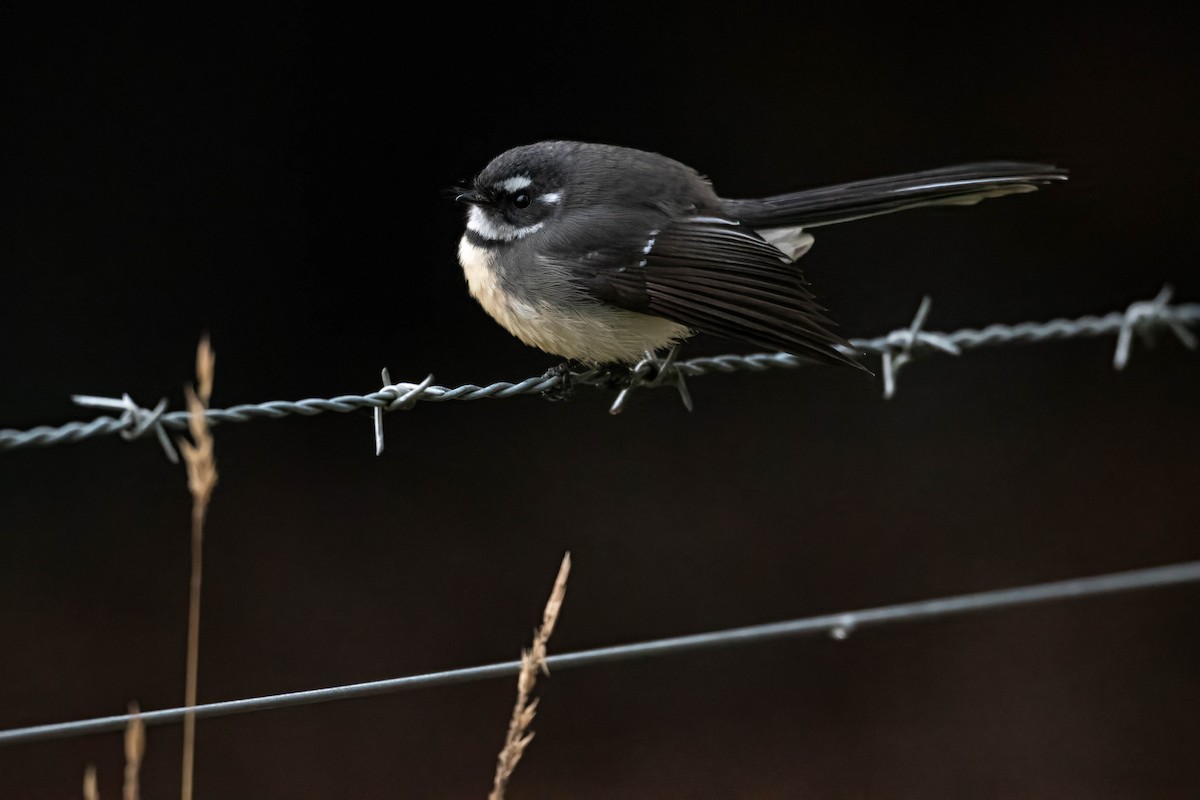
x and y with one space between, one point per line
837 625
895 349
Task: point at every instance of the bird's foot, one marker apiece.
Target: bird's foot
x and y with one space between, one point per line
613 376
564 389
570 373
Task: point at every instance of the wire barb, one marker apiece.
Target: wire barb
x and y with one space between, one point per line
653 372
134 420
899 344
399 396
845 626
1143 318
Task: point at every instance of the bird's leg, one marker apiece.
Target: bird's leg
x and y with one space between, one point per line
565 388
614 375
570 373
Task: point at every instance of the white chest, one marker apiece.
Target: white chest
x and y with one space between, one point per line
585 330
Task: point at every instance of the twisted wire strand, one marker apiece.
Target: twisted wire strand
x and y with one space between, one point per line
839 626
896 348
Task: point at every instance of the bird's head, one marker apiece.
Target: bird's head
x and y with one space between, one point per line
517 194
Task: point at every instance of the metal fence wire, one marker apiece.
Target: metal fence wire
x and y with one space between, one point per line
895 349
839 626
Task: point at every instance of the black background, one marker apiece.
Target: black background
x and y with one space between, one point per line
274 176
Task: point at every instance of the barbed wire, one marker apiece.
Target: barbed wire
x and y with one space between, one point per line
896 349
839 626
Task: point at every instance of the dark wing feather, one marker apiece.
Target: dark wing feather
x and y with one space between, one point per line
963 184
718 276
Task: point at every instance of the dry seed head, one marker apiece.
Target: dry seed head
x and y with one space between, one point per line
206 362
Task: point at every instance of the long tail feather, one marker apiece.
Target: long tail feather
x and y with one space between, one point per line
966 184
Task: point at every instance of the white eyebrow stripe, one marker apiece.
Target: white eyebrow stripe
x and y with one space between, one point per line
515 183
497 231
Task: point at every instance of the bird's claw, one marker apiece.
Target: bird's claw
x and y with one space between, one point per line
564 388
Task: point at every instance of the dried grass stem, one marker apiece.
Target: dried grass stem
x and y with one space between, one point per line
202 478
532 660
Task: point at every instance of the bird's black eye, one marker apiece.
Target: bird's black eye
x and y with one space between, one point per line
522 200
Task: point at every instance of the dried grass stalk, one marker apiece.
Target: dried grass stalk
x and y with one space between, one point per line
90 790
202 478
135 749
532 660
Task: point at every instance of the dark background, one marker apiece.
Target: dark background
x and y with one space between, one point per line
274 176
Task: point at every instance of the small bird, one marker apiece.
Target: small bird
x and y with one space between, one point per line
602 254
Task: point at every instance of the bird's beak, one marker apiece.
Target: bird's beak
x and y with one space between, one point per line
470 196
